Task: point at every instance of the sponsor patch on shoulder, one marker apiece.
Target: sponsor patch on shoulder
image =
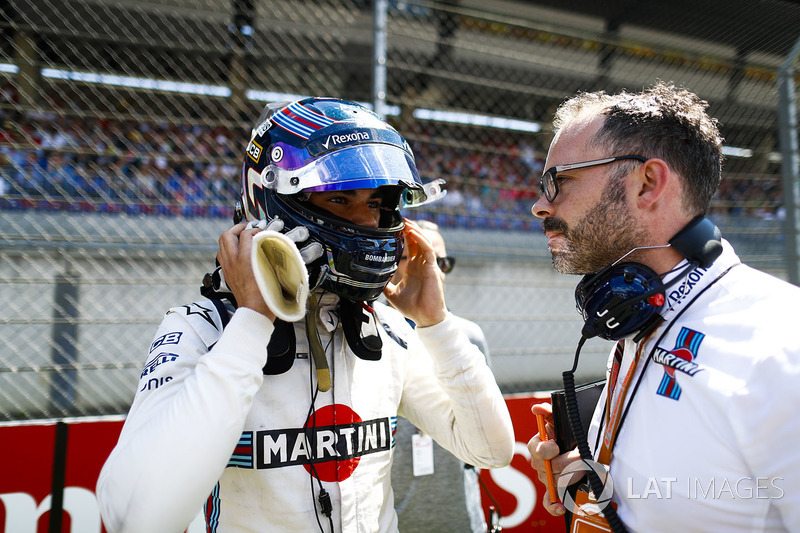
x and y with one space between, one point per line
679 359
168 338
158 360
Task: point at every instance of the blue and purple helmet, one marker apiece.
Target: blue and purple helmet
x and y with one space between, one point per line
327 144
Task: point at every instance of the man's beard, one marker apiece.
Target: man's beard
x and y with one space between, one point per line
602 236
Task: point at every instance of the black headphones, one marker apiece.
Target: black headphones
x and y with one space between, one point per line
625 298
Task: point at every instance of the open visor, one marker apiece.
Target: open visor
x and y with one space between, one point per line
363 166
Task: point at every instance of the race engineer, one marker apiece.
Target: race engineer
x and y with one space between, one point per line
694 424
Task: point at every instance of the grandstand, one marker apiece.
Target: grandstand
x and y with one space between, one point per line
123 123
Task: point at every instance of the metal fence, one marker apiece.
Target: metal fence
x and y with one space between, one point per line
124 121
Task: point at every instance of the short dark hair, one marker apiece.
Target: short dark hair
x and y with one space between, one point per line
663 121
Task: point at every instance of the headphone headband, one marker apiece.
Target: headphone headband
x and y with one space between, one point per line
700 241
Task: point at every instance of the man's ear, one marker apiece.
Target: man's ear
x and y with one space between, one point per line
654 178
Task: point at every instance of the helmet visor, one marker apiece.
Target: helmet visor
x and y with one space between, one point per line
364 166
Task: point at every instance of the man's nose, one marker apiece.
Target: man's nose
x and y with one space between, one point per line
364 216
542 208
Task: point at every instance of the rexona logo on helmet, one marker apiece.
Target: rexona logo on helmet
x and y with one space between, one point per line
327 144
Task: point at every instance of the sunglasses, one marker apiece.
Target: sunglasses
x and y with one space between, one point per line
446 263
548 186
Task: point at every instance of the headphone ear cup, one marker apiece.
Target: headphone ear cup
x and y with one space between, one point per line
582 292
619 300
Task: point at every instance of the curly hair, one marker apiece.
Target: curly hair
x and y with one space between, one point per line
663 121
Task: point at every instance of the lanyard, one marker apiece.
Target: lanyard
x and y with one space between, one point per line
614 405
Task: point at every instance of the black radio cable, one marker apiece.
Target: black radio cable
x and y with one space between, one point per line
494 510
324 498
574 415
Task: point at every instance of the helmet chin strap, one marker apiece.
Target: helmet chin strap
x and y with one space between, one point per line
315 346
366 345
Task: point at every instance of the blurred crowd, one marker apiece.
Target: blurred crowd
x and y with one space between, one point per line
91 164
48 161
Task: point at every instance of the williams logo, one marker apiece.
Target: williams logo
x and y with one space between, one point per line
680 359
333 440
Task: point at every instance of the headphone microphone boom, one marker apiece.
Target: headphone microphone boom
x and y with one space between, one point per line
625 298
